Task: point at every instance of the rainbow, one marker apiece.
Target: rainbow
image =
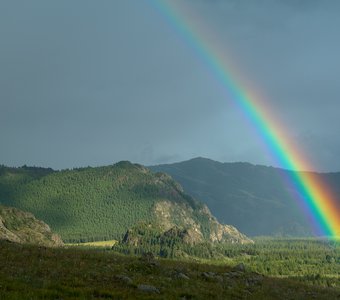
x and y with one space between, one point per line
313 194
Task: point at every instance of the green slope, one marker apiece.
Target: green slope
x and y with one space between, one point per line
89 203
102 203
256 199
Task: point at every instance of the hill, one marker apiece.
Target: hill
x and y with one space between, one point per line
255 199
22 227
101 203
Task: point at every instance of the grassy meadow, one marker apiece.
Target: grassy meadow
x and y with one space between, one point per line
98 244
274 269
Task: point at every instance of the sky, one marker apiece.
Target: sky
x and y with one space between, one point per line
89 83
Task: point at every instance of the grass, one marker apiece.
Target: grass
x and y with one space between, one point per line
99 244
32 272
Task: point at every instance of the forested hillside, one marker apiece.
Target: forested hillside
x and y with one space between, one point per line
256 199
103 203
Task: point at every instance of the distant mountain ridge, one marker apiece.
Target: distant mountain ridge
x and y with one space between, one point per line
256 199
103 203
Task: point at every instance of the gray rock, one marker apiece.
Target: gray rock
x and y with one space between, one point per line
124 279
208 275
240 268
148 288
233 274
182 276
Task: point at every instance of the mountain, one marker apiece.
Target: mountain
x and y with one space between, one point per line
256 199
22 227
103 203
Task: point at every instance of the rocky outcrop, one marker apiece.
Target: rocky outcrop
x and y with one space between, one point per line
179 223
228 233
195 225
22 227
191 235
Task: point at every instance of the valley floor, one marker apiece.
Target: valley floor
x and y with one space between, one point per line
32 272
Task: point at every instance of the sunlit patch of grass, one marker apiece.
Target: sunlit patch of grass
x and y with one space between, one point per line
98 244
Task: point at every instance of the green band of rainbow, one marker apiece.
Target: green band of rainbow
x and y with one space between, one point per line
316 197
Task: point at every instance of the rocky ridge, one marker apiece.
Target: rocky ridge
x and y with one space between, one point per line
22 227
181 219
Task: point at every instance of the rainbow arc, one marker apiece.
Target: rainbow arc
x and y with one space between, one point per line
312 193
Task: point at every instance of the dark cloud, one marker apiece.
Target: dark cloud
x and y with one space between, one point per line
90 83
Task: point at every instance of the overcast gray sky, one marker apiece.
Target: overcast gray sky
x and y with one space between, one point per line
94 82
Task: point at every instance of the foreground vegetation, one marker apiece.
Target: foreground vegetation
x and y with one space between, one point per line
31 272
312 261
